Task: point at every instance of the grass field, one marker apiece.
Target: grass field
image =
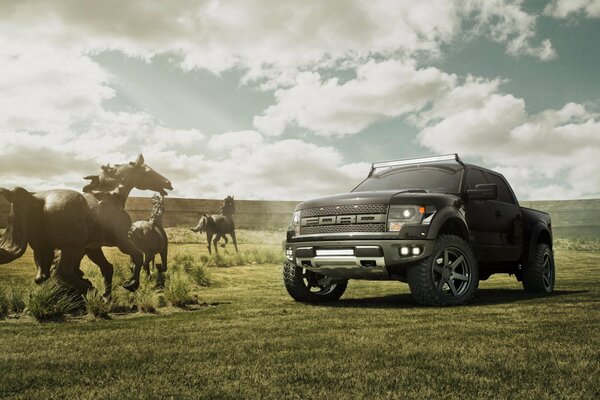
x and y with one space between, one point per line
250 340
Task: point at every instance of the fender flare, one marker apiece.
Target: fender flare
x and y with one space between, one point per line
444 215
536 232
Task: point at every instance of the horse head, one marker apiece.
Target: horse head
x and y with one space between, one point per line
137 174
228 207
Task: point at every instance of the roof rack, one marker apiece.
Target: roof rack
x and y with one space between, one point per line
413 161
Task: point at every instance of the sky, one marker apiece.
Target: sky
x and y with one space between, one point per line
290 100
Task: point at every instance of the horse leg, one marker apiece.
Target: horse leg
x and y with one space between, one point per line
69 273
163 260
224 244
209 240
234 240
106 268
215 242
137 257
43 260
147 260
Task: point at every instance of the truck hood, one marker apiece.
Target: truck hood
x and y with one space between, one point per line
376 197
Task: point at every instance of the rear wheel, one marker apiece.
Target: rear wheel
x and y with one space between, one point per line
539 274
309 287
448 277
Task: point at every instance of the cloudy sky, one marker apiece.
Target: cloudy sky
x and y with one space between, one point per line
293 99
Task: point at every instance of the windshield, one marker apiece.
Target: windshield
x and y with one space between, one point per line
440 179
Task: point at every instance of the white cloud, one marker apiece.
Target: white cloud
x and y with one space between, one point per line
533 151
506 22
283 169
235 140
54 127
46 89
271 40
568 8
380 90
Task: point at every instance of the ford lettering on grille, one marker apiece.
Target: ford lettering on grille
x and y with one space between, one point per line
343 219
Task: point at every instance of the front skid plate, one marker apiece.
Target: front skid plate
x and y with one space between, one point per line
349 267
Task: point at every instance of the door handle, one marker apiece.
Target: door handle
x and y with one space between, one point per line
498 214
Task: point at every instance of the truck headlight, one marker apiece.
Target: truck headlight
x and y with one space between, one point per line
399 215
296 222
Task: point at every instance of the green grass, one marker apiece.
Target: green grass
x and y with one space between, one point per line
95 305
250 340
50 301
178 289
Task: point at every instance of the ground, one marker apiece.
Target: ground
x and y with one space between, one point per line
254 341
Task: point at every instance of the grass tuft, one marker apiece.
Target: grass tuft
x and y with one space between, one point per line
16 299
178 290
201 275
146 299
50 301
4 304
121 300
183 262
95 304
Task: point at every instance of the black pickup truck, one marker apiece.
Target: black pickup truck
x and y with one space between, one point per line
437 223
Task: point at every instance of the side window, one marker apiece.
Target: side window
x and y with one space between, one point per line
475 177
504 193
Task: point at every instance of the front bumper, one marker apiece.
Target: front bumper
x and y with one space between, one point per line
358 259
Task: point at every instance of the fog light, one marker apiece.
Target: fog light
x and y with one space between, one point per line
404 251
416 251
289 254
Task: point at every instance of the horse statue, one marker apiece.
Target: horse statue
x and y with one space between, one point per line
79 224
219 225
151 238
105 182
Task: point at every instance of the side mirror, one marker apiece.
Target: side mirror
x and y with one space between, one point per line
484 191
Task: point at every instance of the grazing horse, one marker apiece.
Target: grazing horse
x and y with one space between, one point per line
78 224
219 225
150 236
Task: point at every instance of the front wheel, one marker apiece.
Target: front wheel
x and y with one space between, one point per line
448 277
539 275
309 287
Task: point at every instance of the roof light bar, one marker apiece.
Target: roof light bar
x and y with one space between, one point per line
420 160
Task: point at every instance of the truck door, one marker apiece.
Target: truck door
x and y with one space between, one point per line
508 221
481 219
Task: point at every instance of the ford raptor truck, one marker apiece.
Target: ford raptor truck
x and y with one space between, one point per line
436 223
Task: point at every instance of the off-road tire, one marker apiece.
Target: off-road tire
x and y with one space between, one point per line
421 275
294 283
539 274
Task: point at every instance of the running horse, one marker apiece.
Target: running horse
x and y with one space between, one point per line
219 225
150 237
79 224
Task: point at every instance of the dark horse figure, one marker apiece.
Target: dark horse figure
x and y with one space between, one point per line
219 225
150 236
78 224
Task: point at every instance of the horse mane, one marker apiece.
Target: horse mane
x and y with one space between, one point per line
158 207
108 180
228 207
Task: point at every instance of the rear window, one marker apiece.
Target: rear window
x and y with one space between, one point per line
443 180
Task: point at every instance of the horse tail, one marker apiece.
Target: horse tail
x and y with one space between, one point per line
197 227
13 242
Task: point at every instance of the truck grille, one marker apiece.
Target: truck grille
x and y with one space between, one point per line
347 209
327 229
343 219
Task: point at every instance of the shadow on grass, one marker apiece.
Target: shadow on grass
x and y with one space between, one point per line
482 297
